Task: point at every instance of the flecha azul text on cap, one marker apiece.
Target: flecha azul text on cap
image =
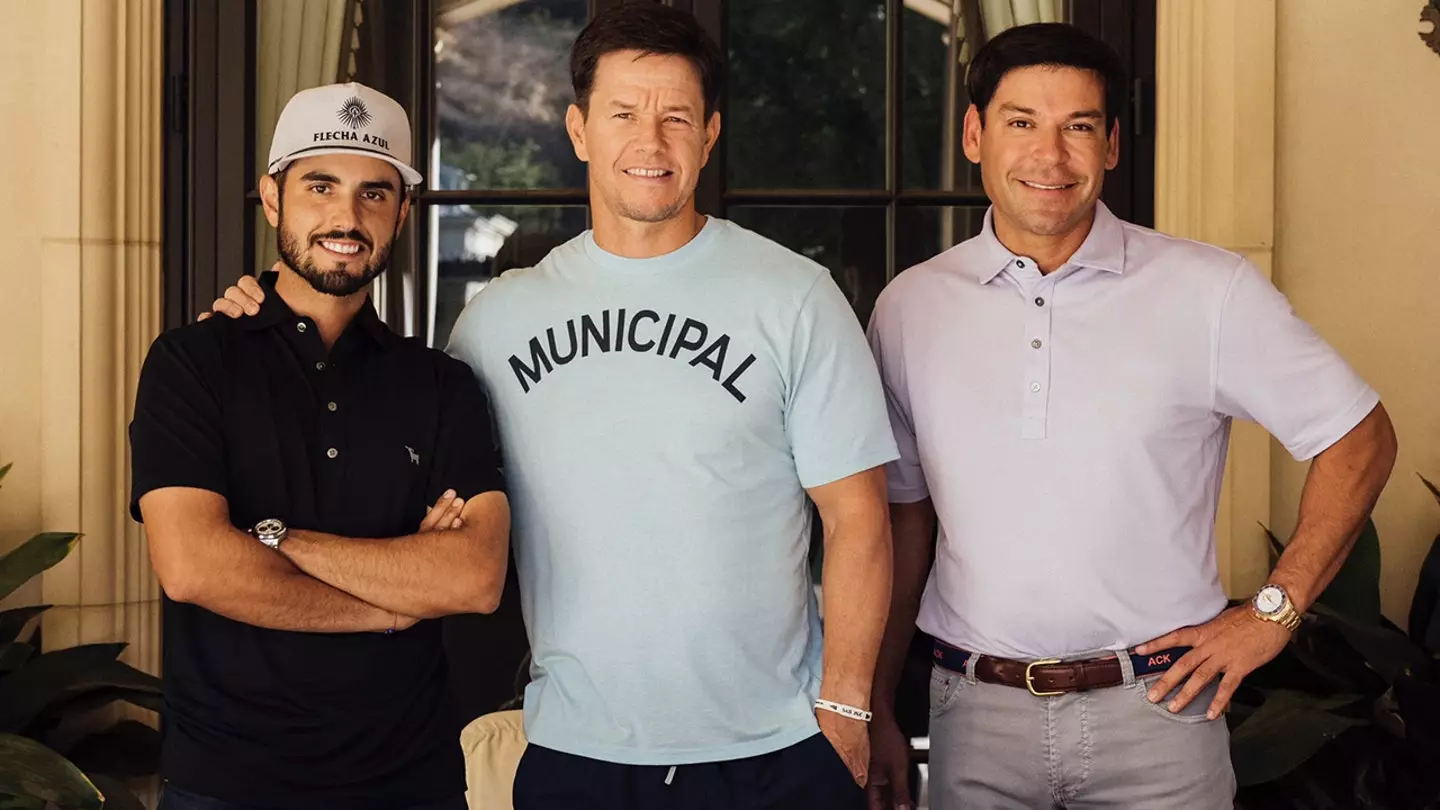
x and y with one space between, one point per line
342 135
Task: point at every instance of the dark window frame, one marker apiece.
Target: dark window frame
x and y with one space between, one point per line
209 145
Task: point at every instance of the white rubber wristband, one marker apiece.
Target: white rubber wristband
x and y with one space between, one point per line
846 711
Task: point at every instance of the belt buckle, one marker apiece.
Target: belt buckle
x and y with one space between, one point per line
1030 677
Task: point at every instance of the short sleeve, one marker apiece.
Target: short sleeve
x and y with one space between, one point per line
835 411
177 432
1272 368
467 458
904 477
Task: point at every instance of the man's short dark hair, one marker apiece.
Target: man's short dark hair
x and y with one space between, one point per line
1047 45
653 30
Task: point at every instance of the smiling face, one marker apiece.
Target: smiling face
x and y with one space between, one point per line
1043 149
645 136
336 219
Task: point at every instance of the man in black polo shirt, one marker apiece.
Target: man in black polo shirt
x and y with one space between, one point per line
281 465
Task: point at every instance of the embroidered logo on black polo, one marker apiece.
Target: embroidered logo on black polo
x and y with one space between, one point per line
414 456
353 113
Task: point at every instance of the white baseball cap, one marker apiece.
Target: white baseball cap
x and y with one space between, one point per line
343 119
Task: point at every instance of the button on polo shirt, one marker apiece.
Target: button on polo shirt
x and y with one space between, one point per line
360 449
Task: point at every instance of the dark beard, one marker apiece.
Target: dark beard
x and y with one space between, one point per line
338 282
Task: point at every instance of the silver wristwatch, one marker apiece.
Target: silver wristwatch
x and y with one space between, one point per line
270 531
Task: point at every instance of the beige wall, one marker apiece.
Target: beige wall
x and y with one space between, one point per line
1358 236
23 106
80 121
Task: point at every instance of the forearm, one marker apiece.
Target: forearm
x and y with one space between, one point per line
249 583
1340 491
427 575
913 531
856 580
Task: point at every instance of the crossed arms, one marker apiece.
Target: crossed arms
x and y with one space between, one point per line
323 583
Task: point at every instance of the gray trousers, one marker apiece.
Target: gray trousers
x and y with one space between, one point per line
994 747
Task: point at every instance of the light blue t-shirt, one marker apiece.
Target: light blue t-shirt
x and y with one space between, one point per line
660 420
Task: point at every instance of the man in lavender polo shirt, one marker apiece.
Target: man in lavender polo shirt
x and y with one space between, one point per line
1061 388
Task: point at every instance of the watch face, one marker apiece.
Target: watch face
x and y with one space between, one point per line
269 527
1269 600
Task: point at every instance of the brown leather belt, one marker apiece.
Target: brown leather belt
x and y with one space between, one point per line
1052 677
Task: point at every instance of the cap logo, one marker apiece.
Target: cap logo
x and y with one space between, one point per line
353 113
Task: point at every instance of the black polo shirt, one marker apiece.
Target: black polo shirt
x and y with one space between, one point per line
357 443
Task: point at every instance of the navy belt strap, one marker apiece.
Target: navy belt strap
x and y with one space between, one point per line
954 658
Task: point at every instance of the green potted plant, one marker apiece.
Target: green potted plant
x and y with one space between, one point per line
44 695
1348 715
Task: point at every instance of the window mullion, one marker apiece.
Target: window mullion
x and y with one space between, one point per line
894 100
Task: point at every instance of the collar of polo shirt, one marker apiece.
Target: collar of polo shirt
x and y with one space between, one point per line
1103 249
274 311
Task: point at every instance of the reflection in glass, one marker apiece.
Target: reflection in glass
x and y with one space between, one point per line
471 245
940 38
850 241
924 231
502 85
806 104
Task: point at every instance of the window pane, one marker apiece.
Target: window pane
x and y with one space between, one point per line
850 241
935 102
940 37
926 230
806 104
502 85
471 245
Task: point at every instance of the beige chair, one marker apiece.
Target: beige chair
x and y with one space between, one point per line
492 744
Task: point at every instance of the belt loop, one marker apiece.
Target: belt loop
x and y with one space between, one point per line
970 667
1127 667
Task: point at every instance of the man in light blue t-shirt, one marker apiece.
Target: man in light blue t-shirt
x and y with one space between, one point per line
668 388
671 390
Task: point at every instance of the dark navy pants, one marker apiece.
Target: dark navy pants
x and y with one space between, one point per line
807 776
173 798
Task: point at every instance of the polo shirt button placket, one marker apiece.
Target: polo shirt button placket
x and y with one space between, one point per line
1036 399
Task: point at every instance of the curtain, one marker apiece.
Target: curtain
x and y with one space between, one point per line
298 44
453 12
1002 14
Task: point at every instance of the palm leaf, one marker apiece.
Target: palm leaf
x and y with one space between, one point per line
1287 729
34 556
1276 547
14 655
1355 590
117 796
127 749
1433 489
14 620
25 693
29 769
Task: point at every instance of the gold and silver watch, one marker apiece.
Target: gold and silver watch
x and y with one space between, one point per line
1273 604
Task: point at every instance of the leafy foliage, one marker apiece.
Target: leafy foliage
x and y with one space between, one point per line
39 691
1348 715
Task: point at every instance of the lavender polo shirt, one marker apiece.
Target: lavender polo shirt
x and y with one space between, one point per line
1071 429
